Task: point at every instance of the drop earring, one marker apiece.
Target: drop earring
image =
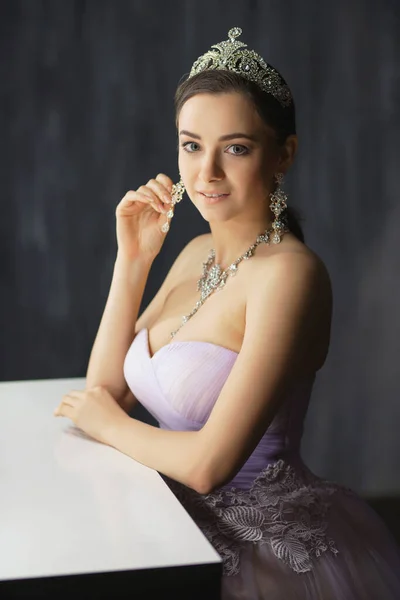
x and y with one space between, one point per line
178 189
278 205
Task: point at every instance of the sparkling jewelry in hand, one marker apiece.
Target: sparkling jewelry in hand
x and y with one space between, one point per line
178 189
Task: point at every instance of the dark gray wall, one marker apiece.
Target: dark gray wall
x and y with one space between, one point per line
86 114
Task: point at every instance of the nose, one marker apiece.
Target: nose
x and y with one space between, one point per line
210 169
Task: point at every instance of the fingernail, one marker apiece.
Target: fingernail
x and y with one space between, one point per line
166 198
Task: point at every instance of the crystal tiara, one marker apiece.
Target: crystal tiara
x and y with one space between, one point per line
231 55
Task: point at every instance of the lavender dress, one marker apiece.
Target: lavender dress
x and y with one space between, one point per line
282 532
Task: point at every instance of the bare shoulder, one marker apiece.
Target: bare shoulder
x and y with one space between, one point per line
288 262
289 292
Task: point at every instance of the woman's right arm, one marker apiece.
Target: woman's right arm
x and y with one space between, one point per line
119 323
140 216
117 328
139 219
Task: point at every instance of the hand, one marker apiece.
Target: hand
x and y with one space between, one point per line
94 411
140 216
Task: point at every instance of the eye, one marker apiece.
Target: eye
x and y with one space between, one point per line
186 145
241 149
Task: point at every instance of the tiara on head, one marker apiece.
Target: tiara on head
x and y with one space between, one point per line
231 55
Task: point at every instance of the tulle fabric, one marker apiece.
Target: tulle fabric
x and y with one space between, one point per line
367 566
179 385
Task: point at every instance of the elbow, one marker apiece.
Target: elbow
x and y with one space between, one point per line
210 470
206 481
199 479
207 485
202 486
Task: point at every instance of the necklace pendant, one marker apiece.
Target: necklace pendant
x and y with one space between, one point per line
233 269
214 275
214 278
276 238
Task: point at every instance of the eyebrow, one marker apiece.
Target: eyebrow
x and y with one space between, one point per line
229 136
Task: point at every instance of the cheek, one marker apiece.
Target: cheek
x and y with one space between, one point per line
189 174
250 173
263 167
180 162
185 166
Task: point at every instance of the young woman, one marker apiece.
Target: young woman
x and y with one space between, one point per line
226 354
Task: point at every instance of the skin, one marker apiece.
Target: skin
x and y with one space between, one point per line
242 167
279 345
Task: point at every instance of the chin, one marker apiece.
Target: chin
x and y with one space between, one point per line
212 217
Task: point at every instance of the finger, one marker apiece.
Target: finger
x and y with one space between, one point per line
64 410
70 400
76 393
166 181
161 190
147 196
132 195
144 189
153 200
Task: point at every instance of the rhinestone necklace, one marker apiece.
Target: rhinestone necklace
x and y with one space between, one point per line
214 279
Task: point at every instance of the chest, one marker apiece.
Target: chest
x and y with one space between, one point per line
220 320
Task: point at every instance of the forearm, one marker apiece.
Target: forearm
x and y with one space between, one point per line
176 454
117 326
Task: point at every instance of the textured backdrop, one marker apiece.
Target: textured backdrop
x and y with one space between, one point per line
86 114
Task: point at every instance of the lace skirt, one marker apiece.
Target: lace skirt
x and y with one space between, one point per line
296 536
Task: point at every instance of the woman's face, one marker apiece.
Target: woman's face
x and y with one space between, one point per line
225 148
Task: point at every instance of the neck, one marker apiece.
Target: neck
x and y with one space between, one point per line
232 238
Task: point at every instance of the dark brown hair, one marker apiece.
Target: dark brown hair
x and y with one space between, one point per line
281 119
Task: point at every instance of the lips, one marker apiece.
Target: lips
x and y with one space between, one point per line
214 194
211 200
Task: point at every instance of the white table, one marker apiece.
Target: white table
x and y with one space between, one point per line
73 510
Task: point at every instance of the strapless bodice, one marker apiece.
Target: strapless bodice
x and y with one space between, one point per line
181 382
